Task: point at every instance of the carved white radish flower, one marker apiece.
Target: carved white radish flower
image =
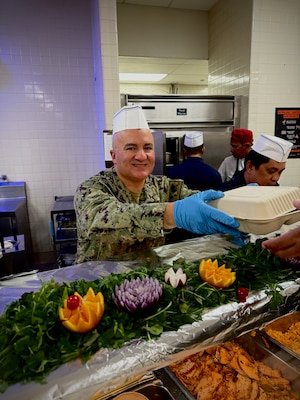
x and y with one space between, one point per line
175 279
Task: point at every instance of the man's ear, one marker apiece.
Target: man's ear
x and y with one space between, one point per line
113 156
249 165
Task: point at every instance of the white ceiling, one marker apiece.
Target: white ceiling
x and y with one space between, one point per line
185 72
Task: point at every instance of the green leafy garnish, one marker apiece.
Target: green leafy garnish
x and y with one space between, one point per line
33 342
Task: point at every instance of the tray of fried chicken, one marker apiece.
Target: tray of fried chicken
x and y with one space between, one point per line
237 370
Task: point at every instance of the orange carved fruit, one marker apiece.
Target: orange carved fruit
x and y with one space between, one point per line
219 277
82 314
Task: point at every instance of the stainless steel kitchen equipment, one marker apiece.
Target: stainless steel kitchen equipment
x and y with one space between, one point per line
170 116
14 227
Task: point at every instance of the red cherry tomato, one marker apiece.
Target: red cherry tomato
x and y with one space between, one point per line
242 294
73 302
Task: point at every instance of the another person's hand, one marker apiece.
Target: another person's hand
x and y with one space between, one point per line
195 215
286 245
297 203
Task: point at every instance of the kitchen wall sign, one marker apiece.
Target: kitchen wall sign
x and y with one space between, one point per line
287 126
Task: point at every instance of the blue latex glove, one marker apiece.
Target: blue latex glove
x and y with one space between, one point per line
194 215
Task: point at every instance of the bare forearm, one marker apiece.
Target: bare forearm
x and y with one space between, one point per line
169 222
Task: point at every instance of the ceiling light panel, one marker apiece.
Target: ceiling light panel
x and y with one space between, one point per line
140 77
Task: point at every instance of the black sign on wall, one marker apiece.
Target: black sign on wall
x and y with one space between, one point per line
287 126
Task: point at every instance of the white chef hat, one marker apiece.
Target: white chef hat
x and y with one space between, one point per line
129 117
273 147
193 139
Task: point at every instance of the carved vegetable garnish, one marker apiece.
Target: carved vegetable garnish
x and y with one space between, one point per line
137 294
219 277
175 279
82 314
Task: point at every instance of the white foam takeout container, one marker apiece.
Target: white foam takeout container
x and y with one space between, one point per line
260 209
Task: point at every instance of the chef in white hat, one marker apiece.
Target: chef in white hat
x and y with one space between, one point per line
129 117
132 137
273 147
195 173
264 164
193 139
125 209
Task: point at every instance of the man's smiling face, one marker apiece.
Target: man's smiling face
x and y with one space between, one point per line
133 154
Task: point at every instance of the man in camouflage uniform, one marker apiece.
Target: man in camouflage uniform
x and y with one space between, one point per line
126 209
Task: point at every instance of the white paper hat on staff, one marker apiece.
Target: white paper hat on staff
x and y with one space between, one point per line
129 117
193 139
273 147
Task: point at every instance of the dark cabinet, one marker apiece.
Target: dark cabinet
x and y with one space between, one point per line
63 230
14 229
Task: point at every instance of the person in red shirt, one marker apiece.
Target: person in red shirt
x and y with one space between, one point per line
241 142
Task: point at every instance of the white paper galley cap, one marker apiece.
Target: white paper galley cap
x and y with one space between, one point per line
129 117
193 139
273 147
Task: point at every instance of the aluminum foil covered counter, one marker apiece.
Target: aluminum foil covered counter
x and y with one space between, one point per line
110 368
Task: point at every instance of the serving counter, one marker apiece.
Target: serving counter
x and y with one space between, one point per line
109 368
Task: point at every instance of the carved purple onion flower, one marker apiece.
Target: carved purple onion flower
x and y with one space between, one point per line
137 294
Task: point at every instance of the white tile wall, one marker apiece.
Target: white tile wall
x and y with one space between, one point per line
48 122
275 66
229 50
109 58
256 54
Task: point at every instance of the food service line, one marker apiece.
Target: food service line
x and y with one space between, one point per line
102 372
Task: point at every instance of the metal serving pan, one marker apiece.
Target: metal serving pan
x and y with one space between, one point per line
282 324
154 386
273 358
254 345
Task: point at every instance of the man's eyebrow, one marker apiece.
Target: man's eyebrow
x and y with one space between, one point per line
274 169
129 144
134 144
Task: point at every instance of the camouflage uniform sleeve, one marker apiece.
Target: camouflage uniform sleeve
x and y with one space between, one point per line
178 190
107 213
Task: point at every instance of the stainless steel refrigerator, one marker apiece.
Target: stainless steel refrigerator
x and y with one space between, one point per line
171 116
